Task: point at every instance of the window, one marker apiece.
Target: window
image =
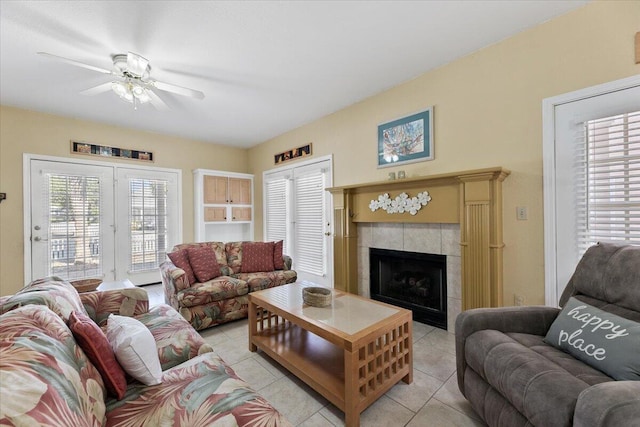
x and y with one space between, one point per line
609 199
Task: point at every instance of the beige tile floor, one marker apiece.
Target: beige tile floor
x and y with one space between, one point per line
433 399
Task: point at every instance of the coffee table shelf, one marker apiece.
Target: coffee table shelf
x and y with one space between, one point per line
351 353
308 357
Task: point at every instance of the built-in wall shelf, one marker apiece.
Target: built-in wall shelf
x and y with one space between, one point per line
223 206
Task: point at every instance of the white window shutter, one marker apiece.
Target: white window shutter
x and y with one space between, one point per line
309 228
276 210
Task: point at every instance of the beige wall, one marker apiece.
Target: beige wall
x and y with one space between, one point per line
487 113
24 131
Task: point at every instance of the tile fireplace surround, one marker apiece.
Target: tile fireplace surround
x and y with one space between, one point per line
463 220
442 239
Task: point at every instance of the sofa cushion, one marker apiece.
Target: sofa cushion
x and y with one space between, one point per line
135 348
203 262
176 340
57 294
180 259
257 256
264 280
200 392
45 378
97 348
220 288
278 257
603 340
567 362
527 379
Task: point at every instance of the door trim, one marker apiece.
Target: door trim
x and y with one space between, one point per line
549 174
26 195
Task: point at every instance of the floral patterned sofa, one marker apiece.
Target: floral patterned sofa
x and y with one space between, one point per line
239 270
47 379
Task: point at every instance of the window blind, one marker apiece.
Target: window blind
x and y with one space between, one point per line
73 218
148 217
309 237
608 180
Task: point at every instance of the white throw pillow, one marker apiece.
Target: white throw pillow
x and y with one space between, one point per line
135 348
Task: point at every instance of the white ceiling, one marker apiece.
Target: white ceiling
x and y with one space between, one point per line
265 67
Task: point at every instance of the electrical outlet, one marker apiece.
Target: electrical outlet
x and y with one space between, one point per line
518 300
521 213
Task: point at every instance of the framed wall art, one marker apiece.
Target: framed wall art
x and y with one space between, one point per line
406 140
80 147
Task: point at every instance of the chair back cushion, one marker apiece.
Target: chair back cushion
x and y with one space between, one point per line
57 294
608 277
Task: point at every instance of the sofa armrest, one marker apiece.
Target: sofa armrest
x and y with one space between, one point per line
608 404
124 302
529 320
174 279
287 262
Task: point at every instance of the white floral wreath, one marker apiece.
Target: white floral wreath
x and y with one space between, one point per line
401 204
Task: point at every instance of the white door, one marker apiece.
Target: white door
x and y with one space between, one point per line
147 221
80 228
298 210
72 222
562 222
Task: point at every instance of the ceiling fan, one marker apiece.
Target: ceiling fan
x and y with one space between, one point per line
133 82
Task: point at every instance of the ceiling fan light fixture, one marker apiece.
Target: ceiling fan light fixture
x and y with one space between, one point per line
131 91
119 88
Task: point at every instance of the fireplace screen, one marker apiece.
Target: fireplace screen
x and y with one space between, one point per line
412 280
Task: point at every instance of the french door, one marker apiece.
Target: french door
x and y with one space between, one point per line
297 210
100 220
72 220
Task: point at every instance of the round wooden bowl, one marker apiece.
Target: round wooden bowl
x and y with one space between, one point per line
316 297
86 285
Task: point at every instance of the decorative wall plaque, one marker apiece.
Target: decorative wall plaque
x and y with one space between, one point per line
294 153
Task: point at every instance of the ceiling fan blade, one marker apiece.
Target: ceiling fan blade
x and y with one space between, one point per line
104 87
136 64
76 63
179 90
156 101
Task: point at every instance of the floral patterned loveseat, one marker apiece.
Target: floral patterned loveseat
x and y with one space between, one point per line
47 379
224 297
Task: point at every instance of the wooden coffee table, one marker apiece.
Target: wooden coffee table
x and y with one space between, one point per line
351 352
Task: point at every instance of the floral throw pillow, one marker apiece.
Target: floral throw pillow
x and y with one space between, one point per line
257 257
204 263
180 259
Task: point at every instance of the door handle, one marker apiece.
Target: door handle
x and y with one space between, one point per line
328 233
40 239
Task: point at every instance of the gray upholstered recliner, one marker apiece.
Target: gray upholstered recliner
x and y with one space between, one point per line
513 378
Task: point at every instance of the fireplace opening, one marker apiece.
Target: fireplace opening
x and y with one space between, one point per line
412 280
